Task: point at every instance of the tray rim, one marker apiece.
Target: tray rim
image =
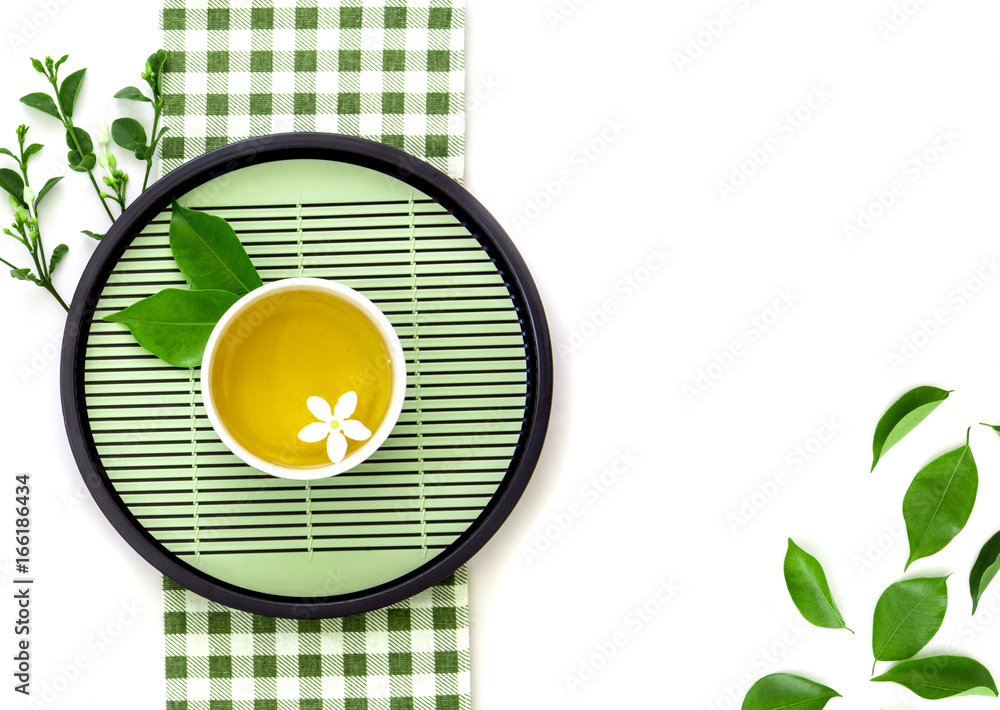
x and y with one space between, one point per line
284 146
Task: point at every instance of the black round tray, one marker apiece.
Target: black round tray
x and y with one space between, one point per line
389 161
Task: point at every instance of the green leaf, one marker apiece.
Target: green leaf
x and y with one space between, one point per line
809 590
938 503
92 235
907 616
57 255
12 183
83 138
39 67
43 102
22 274
129 134
209 253
940 677
174 324
986 568
32 149
49 184
131 93
783 690
69 92
156 60
61 61
903 416
4 151
81 164
994 427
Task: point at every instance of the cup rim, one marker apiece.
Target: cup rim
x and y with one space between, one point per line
397 363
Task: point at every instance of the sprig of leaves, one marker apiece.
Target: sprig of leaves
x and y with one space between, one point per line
175 324
25 228
128 132
81 156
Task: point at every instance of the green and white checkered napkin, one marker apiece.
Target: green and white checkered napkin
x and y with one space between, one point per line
389 71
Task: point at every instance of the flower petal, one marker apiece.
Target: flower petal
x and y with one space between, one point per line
355 430
317 431
336 447
320 409
346 405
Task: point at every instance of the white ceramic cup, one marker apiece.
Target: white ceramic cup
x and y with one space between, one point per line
397 364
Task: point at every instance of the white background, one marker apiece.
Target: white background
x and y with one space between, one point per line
550 85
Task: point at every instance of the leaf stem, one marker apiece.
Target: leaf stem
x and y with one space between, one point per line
52 289
157 107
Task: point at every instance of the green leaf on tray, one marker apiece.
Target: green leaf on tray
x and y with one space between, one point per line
940 677
129 134
907 616
783 690
810 592
986 568
903 416
175 324
209 253
131 93
69 92
43 102
11 182
939 501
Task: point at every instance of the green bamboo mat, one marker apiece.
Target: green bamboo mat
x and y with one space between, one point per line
461 422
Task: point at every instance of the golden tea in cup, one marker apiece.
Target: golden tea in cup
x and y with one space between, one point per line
303 378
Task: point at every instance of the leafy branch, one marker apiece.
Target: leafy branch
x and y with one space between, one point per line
81 155
25 228
128 132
